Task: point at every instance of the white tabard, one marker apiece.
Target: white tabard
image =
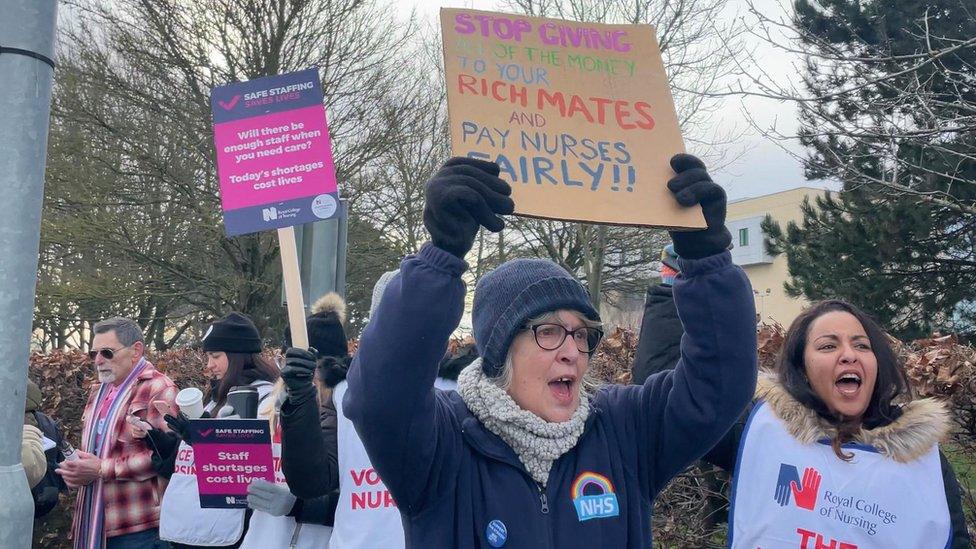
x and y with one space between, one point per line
802 496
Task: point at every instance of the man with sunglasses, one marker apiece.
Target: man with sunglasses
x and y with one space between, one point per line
118 490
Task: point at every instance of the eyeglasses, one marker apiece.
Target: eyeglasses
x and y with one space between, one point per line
107 354
551 337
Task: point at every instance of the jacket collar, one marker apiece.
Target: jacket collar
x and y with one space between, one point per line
148 372
922 424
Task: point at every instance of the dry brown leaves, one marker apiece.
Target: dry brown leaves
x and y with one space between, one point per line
941 367
614 357
770 341
938 367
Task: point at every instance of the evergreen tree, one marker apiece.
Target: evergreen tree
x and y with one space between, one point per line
891 113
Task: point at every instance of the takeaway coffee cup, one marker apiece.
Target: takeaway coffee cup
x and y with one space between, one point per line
190 401
244 400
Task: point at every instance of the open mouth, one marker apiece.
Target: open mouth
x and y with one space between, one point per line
562 388
848 383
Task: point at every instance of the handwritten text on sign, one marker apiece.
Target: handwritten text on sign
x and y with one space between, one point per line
579 117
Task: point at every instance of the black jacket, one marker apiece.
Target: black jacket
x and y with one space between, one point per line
309 438
806 421
660 335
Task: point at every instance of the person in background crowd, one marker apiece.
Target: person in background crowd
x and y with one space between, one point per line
658 350
366 515
118 488
308 415
32 455
47 490
454 363
281 519
526 449
834 452
232 346
658 347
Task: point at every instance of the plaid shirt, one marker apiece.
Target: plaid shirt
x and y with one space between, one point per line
132 490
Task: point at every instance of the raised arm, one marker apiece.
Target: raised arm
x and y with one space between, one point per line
678 415
308 440
682 413
410 435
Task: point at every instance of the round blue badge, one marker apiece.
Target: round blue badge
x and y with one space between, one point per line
496 533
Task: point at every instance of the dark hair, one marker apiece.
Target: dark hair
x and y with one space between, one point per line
242 369
890 385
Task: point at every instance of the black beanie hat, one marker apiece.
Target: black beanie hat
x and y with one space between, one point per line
235 333
325 332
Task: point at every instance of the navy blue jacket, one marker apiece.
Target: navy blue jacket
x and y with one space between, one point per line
460 486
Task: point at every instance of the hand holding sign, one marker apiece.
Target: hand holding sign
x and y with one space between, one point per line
297 375
693 186
463 196
273 499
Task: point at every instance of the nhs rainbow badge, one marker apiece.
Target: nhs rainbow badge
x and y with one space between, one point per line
593 497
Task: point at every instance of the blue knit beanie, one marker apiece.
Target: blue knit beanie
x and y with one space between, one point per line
515 292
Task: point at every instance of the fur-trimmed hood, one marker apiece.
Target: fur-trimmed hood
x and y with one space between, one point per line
922 424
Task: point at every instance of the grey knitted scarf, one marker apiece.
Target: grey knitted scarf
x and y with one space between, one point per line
537 442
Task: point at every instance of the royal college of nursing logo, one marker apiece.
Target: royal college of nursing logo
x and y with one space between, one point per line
600 502
788 484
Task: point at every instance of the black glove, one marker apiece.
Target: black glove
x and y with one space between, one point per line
297 374
465 194
693 186
333 369
180 425
164 445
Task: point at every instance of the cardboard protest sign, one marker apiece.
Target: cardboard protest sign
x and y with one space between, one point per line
228 455
578 116
274 157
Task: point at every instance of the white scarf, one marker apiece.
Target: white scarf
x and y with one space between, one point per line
537 442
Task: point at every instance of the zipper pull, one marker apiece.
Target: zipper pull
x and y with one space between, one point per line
545 503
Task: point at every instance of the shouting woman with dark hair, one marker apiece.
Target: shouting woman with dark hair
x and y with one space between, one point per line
835 452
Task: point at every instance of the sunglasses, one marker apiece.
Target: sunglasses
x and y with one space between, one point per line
107 354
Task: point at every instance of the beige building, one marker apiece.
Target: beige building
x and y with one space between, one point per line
767 273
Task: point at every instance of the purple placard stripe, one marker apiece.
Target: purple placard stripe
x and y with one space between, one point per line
267 217
266 95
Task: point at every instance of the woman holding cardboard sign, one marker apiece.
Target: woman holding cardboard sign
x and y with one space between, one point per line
528 453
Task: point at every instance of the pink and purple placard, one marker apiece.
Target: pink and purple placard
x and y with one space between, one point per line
274 156
228 454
